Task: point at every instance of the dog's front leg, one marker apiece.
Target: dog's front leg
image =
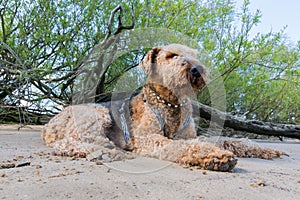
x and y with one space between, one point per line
185 152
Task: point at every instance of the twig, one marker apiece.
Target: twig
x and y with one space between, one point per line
13 165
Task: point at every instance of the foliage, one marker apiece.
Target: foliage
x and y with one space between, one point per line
42 44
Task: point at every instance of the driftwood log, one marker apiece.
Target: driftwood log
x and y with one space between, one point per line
251 126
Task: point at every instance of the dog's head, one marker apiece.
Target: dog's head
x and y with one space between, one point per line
175 66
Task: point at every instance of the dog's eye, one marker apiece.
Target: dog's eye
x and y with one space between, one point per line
170 55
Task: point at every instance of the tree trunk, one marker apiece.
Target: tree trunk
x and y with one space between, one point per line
252 126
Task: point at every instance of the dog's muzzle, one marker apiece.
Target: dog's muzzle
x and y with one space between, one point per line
196 70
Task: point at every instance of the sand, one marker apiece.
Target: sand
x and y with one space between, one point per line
28 170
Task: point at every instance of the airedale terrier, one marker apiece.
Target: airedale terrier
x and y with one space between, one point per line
160 123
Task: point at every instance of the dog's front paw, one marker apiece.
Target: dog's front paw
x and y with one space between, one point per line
224 165
209 158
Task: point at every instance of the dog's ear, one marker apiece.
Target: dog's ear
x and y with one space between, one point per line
150 59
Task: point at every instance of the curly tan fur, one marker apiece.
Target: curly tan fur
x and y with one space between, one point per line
174 74
77 130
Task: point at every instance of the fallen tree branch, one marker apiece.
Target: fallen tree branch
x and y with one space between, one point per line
252 126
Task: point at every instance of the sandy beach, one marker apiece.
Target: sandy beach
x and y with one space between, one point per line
28 170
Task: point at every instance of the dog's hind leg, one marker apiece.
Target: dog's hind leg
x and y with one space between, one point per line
78 130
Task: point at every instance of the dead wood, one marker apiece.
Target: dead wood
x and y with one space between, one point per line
252 126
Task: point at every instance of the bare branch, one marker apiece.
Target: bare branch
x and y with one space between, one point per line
120 23
110 21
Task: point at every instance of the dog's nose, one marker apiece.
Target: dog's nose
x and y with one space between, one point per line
196 70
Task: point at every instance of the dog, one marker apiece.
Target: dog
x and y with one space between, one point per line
156 123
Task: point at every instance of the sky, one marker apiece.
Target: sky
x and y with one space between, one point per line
277 14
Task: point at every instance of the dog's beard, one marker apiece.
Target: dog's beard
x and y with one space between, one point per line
185 90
